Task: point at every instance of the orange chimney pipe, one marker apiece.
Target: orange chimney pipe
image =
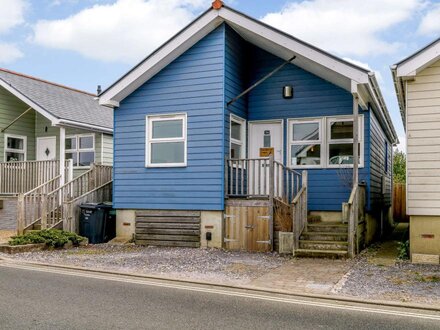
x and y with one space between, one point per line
217 4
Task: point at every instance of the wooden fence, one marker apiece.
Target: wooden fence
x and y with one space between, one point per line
21 177
399 203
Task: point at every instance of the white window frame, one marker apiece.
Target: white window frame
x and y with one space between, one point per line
242 143
78 150
320 141
329 141
149 138
18 151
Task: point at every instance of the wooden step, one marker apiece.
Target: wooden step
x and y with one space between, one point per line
334 227
333 254
323 245
324 236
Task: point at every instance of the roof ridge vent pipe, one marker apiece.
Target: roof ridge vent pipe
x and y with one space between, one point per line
98 90
217 4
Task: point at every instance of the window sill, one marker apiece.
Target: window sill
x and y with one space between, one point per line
165 165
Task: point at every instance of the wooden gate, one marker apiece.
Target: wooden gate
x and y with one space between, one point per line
399 203
248 226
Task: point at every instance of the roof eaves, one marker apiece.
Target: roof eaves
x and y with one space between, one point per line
155 51
417 52
298 40
37 107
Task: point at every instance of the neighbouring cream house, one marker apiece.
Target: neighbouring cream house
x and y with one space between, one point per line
417 83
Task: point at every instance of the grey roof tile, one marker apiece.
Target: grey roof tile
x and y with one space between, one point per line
61 101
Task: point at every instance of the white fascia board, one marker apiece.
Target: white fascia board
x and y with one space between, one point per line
160 59
320 58
414 65
28 101
74 124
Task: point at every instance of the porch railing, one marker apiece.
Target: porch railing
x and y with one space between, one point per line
353 212
46 207
267 178
21 177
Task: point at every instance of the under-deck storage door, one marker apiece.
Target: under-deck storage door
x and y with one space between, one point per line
247 228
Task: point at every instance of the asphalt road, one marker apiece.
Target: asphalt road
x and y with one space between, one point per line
37 299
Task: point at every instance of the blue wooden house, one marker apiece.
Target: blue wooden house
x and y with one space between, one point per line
233 131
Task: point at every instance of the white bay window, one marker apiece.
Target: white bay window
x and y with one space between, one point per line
305 143
323 142
166 140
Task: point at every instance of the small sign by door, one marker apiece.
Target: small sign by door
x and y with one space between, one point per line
266 152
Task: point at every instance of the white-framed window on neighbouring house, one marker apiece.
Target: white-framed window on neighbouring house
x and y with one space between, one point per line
237 138
340 142
305 143
81 149
166 144
15 148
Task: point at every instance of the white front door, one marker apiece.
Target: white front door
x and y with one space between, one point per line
47 148
265 138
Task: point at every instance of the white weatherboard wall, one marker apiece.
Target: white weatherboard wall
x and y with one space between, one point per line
423 139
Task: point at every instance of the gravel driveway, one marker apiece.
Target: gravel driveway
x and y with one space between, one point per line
212 265
402 281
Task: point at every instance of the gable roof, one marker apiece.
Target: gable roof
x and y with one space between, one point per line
62 105
409 67
344 74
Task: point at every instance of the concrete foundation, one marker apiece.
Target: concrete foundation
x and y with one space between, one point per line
425 239
211 222
125 223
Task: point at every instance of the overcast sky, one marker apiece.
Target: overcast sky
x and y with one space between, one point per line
82 43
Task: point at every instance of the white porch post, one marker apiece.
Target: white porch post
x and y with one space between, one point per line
355 140
62 156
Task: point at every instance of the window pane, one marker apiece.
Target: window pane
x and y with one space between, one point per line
308 154
341 154
236 130
235 151
86 142
305 132
341 130
70 143
86 158
166 153
74 156
167 129
266 139
15 143
14 157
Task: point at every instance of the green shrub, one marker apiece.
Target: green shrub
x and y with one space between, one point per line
52 237
403 250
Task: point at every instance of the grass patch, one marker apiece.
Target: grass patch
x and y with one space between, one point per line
428 278
51 237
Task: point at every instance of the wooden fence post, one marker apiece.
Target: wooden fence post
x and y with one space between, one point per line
44 211
271 197
20 214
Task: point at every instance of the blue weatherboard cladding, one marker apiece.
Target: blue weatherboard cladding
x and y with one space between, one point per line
200 83
313 97
193 84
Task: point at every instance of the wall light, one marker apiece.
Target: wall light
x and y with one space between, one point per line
288 92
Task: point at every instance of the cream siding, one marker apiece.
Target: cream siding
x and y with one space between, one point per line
423 142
